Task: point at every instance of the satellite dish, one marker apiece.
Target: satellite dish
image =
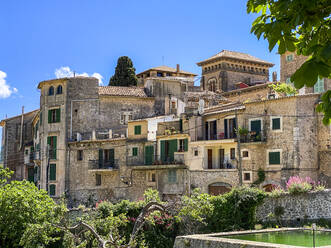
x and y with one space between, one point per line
201 106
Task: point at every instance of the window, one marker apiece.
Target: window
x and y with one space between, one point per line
183 145
159 74
52 144
52 189
137 130
59 90
245 154
151 176
276 123
172 176
173 104
80 155
255 127
135 151
54 115
274 157
52 172
97 179
289 57
232 153
125 117
196 152
230 126
319 86
51 91
26 152
247 176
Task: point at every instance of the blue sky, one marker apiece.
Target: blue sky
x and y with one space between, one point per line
37 37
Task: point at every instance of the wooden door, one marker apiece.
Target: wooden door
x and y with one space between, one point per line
210 158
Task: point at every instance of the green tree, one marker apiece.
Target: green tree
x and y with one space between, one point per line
21 204
125 73
303 26
283 88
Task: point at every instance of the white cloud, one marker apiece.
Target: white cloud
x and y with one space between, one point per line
5 89
65 71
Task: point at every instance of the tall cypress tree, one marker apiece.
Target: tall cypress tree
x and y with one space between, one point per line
125 73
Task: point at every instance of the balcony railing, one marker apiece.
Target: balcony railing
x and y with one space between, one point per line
219 136
253 137
155 160
100 164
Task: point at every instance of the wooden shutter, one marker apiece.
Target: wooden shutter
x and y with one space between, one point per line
49 116
149 154
100 161
206 130
58 115
31 174
226 129
276 124
185 145
112 156
256 126
274 157
163 155
52 172
137 130
181 125
173 147
135 151
52 189
54 146
233 153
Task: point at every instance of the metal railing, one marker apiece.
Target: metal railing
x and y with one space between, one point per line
155 160
101 164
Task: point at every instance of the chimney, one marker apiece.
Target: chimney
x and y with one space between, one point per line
274 76
177 68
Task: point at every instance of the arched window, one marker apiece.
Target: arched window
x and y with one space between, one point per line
59 90
51 91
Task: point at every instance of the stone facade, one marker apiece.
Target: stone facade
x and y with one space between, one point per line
17 141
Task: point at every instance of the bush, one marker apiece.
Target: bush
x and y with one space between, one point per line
276 192
297 184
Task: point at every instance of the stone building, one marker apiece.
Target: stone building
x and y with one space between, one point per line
17 145
228 70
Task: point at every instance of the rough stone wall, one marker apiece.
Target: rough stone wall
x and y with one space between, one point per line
12 154
324 155
287 68
242 96
312 206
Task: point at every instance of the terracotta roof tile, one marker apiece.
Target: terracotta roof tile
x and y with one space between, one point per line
122 91
167 69
235 55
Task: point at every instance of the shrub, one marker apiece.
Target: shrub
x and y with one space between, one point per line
297 184
276 192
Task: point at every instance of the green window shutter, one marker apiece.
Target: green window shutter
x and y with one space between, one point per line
319 86
31 175
185 145
52 172
162 150
55 146
274 157
256 126
58 115
135 151
112 155
49 116
100 158
172 149
276 124
52 189
181 125
149 154
137 130
49 140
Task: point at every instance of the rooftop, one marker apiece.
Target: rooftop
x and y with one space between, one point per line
226 54
165 68
2 122
122 91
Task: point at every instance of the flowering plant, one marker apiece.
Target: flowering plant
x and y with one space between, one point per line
296 184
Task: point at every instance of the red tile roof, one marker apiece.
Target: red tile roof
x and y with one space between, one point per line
122 91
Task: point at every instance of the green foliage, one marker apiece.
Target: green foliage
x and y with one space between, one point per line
284 88
261 177
22 204
302 26
125 73
276 192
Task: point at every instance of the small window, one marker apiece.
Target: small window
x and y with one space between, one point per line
80 155
54 115
135 151
289 58
52 172
151 176
59 90
275 123
137 130
52 189
196 153
274 158
51 91
233 153
26 152
245 154
172 176
97 179
159 74
319 86
247 176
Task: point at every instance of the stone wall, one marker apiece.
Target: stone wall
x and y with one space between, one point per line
310 206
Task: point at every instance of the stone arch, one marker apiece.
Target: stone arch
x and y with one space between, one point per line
211 85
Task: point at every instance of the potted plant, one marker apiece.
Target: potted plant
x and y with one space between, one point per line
243 132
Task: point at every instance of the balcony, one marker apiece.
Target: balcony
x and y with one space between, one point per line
103 165
253 137
219 136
